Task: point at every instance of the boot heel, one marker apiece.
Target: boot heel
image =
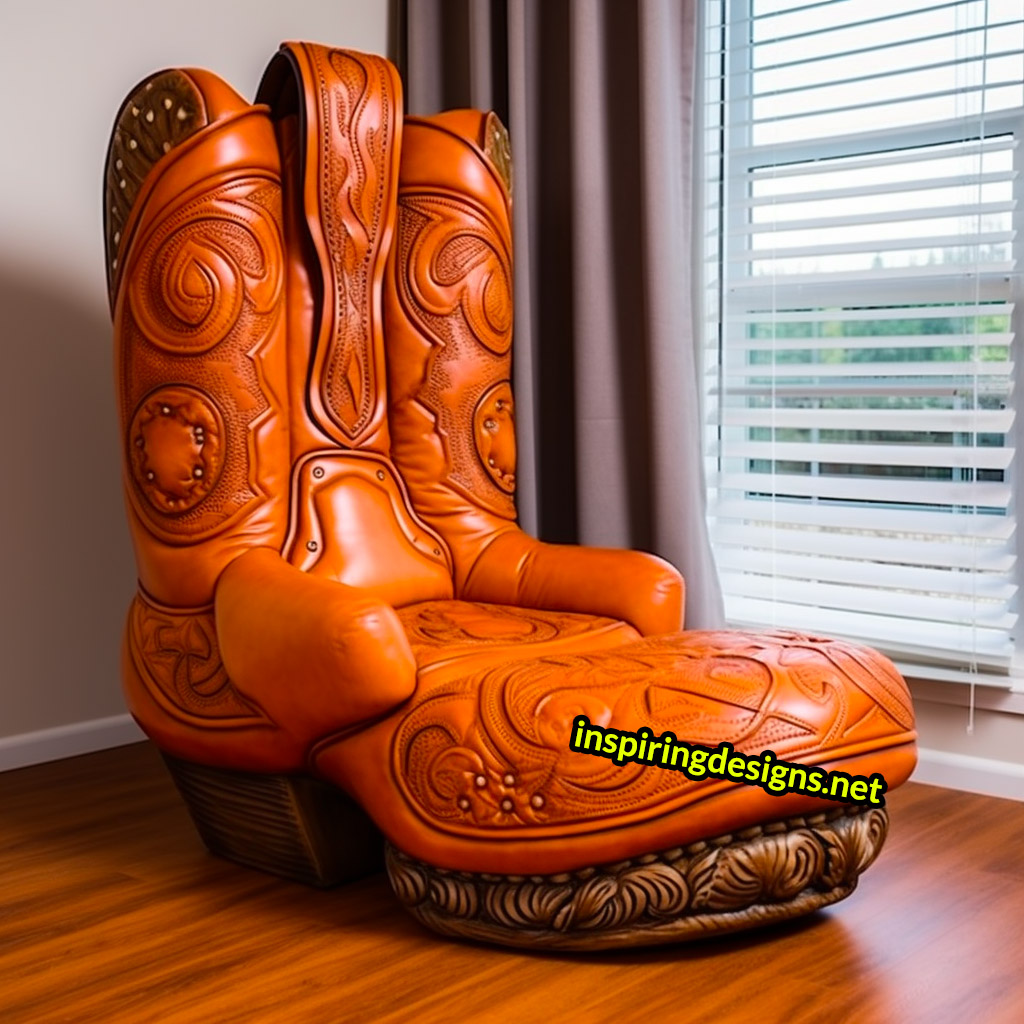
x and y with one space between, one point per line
293 826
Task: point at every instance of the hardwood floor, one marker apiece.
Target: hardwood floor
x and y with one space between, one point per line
111 910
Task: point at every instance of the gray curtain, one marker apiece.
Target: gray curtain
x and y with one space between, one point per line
598 98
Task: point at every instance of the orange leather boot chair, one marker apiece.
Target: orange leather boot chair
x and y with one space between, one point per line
340 631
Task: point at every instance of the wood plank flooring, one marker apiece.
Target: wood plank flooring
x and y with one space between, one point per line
111 910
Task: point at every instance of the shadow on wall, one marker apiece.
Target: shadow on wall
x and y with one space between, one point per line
68 572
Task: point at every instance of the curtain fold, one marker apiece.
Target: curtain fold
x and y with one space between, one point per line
599 99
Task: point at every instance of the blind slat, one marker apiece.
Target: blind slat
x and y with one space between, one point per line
893 489
866 22
984 421
974 148
869 245
979 536
977 557
862 144
873 48
783 315
804 568
953 611
913 285
923 455
782 343
885 217
796 9
828 83
849 108
819 390
881 371
883 188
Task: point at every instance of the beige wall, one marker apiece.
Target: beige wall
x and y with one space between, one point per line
66 570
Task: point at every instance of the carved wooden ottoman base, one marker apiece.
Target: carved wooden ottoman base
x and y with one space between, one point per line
758 876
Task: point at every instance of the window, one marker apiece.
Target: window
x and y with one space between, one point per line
862 221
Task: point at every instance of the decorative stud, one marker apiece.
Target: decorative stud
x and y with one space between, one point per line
536 801
311 545
165 409
490 424
480 781
117 237
182 113
149 116
464 803
135 111
132 144
198 472
509 780
507 805
140 442
122 183
437 551
168 103
318 472
150 475
167 147
119 164
380 474
490 460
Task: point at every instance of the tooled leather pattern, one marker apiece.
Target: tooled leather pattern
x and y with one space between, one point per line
491 750
357 117
176 654
207 282
450 625
455 284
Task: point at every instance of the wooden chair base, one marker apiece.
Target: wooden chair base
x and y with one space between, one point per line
296 827
308 831
758 876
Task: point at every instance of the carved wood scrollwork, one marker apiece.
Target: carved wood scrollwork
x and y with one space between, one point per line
765 873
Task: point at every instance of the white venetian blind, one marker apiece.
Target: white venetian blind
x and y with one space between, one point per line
862 181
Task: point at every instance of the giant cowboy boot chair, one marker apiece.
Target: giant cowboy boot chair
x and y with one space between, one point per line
340 631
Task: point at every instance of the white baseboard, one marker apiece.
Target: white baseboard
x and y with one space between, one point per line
67 741
972 774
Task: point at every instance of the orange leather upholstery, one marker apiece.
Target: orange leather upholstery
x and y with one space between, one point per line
449 335
487 780
313 311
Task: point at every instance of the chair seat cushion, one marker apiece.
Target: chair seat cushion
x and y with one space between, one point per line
475 772
453 638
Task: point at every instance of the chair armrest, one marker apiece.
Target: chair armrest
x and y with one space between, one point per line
640 589
317 656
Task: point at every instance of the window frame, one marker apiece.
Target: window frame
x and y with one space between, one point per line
734 152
